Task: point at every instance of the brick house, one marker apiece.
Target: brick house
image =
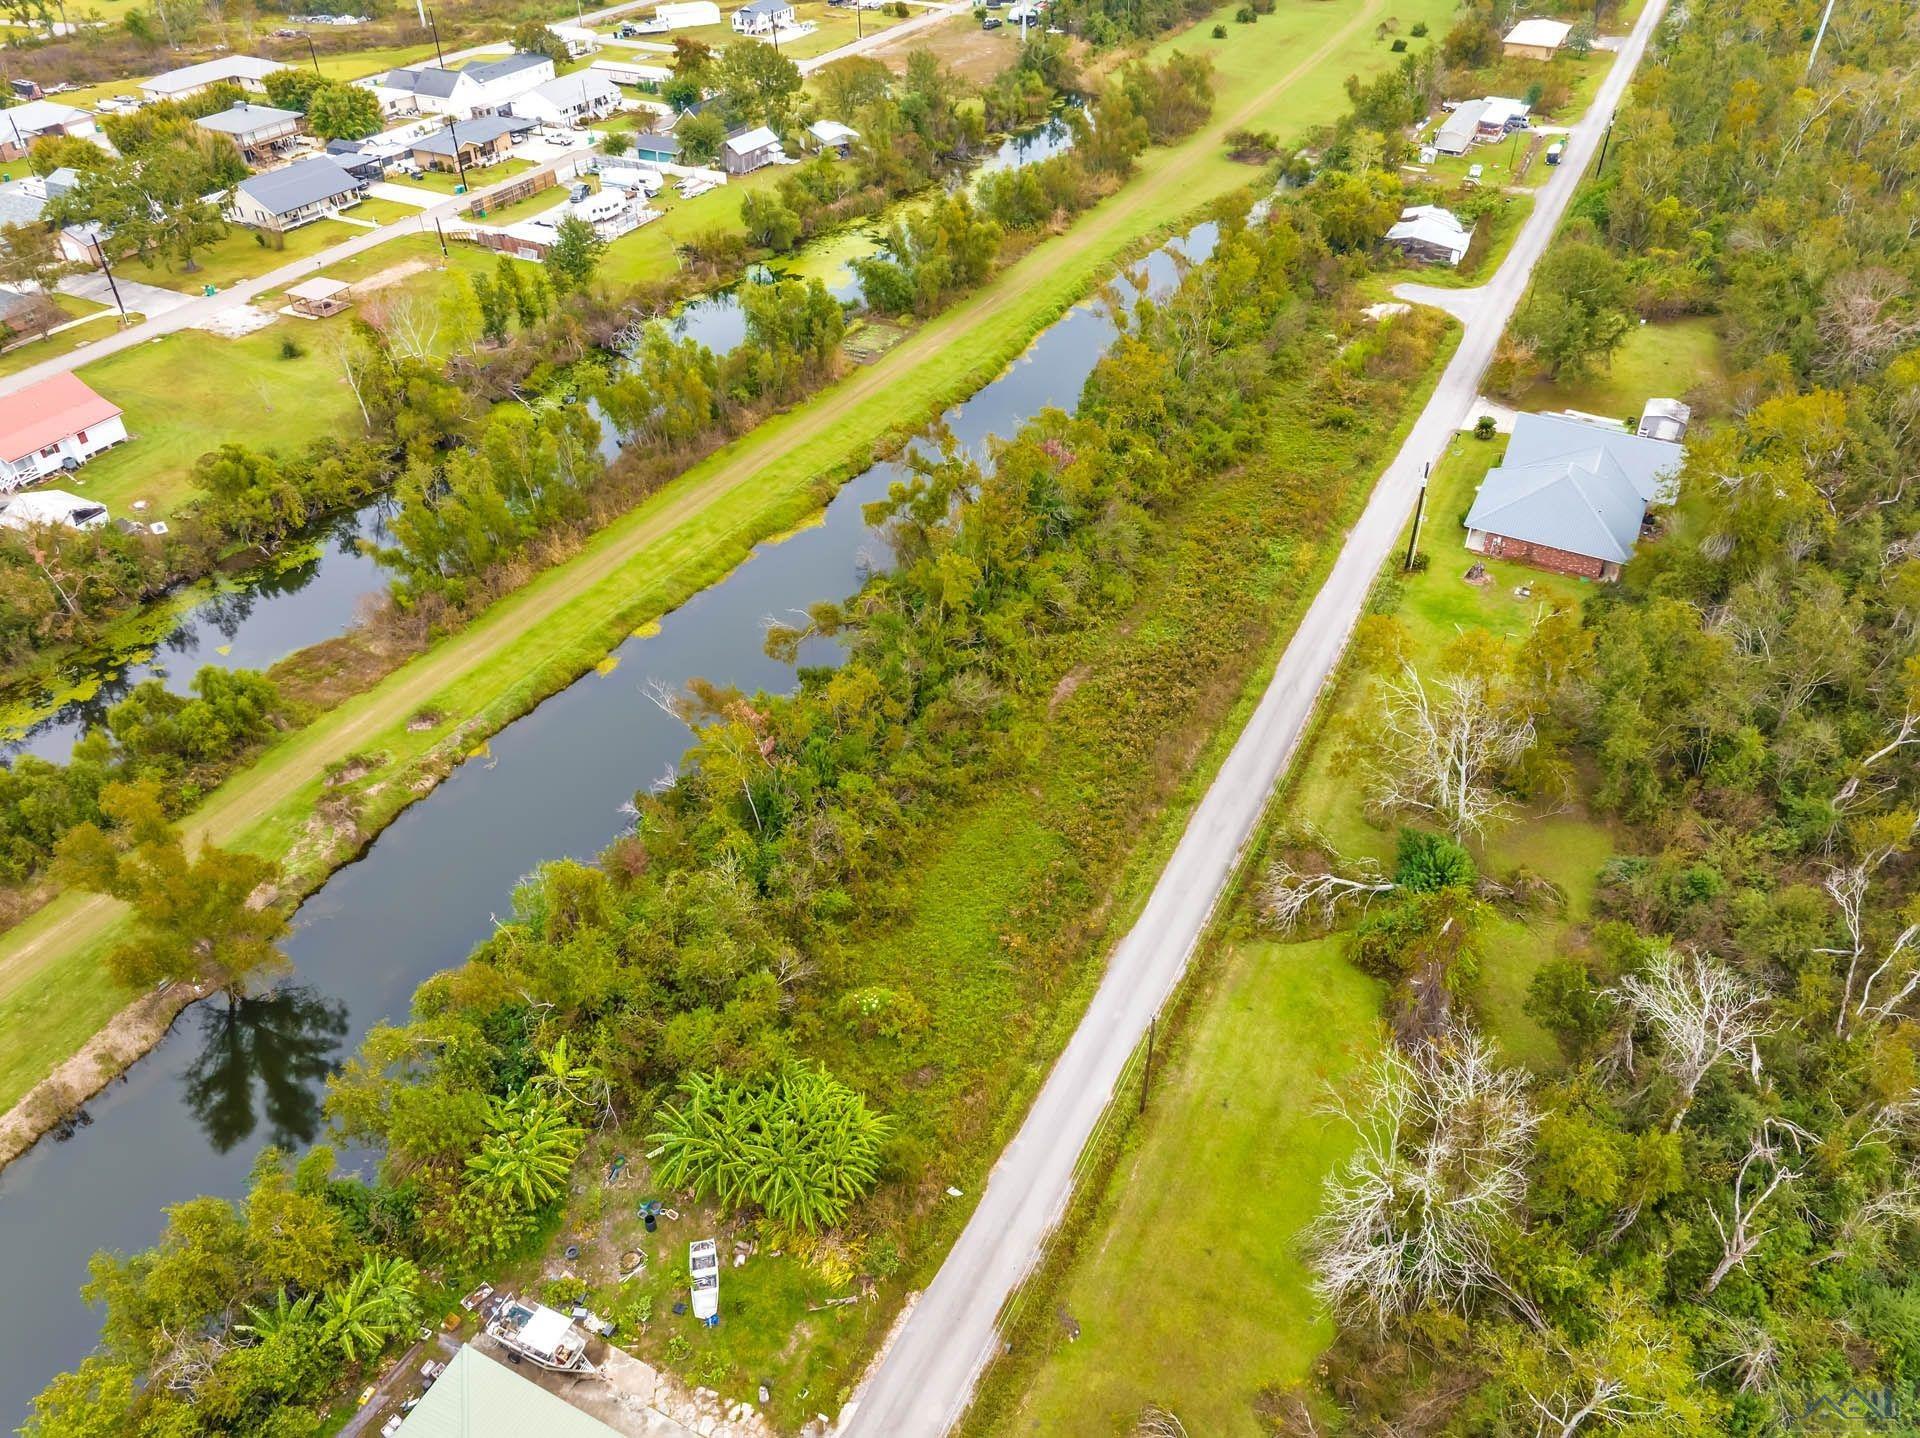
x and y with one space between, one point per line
1570 495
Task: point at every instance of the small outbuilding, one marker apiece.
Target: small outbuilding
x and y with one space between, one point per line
1665 419
687 15
318 298
1431 235
657 149
832 135
54 426
1537 39
744 153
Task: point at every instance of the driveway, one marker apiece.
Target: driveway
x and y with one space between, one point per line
925 1380
140 298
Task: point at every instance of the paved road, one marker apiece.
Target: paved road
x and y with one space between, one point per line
197 309
926 1379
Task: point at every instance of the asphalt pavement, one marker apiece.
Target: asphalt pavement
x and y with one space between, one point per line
926 1378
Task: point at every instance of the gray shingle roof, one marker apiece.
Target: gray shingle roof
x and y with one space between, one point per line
434 83
483 131
245 119
21 203
304 182
487 71
766 7
1575 486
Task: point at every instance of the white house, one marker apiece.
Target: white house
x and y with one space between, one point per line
55 425
306 190
249 72
21 125
762 17
570 101
479 87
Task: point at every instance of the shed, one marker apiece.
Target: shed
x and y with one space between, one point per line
657 149
744 153
832 135
1665 419
318 298
1537 39
1430 234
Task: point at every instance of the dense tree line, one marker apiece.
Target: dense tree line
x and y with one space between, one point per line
1707 1216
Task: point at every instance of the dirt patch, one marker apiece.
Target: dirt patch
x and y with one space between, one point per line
56 1102
237 320
963 47
1063 691
391 275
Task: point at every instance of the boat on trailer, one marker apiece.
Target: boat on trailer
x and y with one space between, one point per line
541 1335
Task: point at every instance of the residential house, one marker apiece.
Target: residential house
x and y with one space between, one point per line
1537 39
479 143
832 135
1431 235
249 72
1570 495
307 190
762 17
569 102
1502 117
1461 128
357 159
478 1398
262 132
21 125
744 153
53 426
480 87
51 506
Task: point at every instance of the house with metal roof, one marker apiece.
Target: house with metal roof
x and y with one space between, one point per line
478 1398
260 131
21 125
1461 128
657 149
746 152
1571 495
1431 235
249 72
762 17
1537 39
569 102
832 135
53 426
307 190
479 142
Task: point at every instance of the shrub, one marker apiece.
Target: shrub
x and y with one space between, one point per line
1484 427
1245 15
1419 31
1398 46
290 348
1219 32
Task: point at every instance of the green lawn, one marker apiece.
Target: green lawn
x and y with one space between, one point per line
1190 1292
241 390
1674 358
244 254
445 182
650 252
384 212
53 346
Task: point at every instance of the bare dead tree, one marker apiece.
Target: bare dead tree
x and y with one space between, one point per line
1440 748
1603 1401
1762 1173
1906 732
1699 1011
1895 976
1289 895
1444 1135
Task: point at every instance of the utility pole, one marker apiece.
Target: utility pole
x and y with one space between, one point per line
1605 140
1819 35
434 25
1419 512
100 249
315 54
443 236
458 163
1146 1069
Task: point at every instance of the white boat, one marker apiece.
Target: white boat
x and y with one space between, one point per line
541 1334
703 1264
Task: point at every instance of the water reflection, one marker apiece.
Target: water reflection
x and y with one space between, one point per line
264 1057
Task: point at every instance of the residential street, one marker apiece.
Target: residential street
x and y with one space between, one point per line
925 1379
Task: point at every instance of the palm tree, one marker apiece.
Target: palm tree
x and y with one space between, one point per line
266 1324
530 1152
380 1300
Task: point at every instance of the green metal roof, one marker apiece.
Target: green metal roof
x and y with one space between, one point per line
478 1398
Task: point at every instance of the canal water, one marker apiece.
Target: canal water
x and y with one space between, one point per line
191 1117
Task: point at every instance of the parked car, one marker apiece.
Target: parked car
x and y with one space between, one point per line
1554 152
992 22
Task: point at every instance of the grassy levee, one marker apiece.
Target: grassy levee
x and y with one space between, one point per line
54 993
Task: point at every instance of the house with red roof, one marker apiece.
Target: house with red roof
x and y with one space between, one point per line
54 427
